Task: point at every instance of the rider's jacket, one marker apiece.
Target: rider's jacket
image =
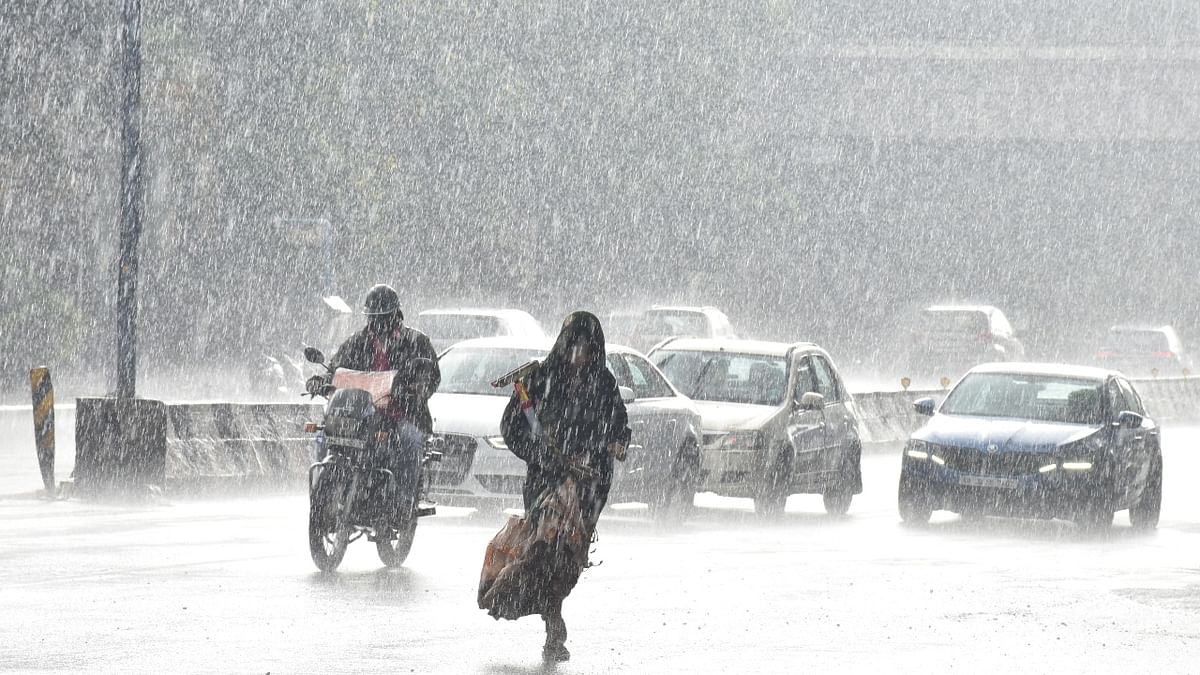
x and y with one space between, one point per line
366 350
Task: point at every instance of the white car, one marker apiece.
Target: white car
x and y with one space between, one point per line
448 326
663 455
777 420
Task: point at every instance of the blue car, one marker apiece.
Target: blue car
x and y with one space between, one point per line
1035 441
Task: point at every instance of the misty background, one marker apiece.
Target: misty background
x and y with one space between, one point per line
817 170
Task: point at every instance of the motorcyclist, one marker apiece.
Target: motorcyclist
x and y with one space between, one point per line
385 343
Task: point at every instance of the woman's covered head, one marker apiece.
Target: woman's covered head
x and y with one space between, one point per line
581 340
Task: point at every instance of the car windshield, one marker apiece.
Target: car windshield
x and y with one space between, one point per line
1136 341
458 327
1043 398
471 370
726 377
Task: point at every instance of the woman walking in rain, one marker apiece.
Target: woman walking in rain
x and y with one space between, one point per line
569 426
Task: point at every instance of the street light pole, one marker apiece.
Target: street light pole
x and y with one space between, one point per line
131 198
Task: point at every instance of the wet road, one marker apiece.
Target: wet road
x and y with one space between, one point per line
227 586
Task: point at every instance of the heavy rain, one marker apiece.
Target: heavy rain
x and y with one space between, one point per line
884 314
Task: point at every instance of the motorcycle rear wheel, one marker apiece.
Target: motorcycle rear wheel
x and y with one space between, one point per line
329 500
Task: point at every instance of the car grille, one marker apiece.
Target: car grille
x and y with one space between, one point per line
457 455
980 463
505 485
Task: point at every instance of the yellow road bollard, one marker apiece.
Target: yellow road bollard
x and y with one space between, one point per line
43 423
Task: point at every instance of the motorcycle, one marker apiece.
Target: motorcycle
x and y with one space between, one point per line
350 494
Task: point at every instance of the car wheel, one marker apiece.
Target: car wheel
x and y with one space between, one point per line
912 501
837 502
838 497
1144 514
673 504
773 490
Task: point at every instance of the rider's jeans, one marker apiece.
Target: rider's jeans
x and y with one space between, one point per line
406 445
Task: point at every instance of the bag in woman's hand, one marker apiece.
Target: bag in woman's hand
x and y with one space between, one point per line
534 561
509 543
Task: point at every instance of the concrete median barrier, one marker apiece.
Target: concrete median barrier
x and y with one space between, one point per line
886 418
120 446
184 447
238 443
129 447
1171 400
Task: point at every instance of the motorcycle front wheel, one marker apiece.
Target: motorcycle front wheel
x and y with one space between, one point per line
329 523
393 552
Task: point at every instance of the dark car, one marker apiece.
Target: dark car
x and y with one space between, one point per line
1035 441
949 339
1144 351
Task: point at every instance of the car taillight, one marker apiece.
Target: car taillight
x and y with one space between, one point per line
985 337
1164 355
1105 355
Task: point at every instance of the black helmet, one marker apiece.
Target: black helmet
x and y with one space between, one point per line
381 301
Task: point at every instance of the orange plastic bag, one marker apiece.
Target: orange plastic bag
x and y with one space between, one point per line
535 560
504 548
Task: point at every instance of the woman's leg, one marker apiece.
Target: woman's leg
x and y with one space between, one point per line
556 633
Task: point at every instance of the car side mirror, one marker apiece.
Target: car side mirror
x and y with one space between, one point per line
1128 419
627 395
810 401
314 355
924 406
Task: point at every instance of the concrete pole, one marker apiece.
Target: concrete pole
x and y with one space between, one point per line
131 198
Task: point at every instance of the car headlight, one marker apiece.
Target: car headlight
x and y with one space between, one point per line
917 449
741 440
497 442
1080 455
923 450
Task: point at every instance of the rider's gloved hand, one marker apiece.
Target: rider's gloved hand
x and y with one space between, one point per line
315 385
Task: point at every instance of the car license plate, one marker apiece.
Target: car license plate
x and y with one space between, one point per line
987 482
